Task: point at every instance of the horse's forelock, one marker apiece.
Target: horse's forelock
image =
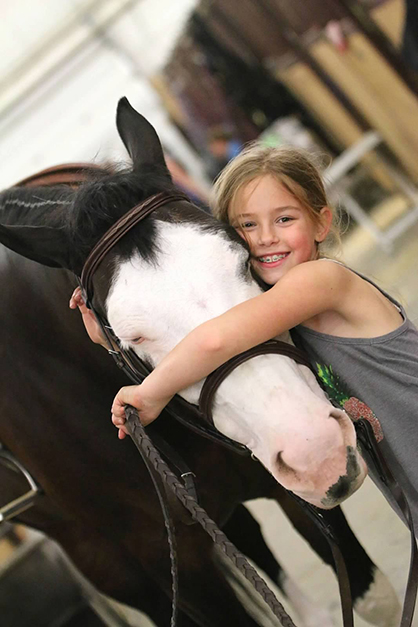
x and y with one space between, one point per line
100 203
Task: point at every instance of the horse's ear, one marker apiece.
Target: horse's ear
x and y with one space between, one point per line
43 244
32 224
139 136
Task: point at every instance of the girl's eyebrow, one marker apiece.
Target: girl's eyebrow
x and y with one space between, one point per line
250 215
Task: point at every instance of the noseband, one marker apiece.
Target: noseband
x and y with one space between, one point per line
128 361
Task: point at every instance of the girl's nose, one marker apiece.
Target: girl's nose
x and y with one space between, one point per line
268 235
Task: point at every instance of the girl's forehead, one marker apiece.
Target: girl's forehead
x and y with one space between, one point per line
261 192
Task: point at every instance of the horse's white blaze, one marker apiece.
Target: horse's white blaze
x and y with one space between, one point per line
269 403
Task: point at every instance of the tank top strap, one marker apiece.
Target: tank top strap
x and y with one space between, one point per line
390 298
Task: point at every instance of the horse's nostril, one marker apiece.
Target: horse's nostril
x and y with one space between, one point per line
337 414
345 424
282 466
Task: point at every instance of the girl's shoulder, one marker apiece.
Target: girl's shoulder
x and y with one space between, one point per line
327 274
314 288
356 306
333 265
336 274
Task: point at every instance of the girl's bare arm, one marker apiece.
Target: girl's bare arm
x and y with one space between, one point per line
302 293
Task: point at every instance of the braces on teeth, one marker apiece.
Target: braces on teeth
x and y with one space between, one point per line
272 258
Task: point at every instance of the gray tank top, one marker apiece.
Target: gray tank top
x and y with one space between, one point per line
377 379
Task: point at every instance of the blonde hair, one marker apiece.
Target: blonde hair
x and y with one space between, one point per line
292 167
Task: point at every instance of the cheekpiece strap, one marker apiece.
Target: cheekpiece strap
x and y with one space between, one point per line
117 231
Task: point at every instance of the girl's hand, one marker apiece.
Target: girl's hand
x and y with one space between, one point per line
90 322
149 408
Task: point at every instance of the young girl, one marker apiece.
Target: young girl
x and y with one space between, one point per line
359 339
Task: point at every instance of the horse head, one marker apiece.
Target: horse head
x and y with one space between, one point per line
176 269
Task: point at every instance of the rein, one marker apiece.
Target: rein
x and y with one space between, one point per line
136 370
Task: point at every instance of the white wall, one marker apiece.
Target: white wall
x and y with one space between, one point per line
60 82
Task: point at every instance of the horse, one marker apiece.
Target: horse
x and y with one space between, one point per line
173 271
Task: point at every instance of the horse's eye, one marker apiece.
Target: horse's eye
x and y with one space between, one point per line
137 340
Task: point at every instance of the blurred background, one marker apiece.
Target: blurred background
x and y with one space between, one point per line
337 77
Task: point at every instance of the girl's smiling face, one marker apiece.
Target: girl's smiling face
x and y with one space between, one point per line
279 229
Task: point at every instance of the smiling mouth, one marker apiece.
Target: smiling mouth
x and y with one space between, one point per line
272 258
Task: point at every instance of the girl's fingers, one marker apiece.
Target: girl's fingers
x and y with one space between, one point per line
118 421
77 300
117 409
125 396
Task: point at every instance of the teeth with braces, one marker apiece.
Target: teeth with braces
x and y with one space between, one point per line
272 258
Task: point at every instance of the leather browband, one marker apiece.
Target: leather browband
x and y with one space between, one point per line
117 231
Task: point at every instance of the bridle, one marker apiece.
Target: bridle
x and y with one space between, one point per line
135 368
199 418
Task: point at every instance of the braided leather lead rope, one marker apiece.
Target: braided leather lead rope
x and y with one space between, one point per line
150 455
169 525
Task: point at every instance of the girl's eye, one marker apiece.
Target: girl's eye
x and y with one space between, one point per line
284 219
247 225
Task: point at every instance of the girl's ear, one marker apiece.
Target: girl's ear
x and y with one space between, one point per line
324 224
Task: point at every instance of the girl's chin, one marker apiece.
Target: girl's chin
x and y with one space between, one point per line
270 278
266 277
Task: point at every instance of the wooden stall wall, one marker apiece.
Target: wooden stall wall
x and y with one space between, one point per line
370 83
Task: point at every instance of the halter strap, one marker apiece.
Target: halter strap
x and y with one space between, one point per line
117 231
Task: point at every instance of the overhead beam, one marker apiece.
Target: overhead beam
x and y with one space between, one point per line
53 55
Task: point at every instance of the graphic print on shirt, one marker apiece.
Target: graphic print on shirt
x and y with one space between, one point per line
354 407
